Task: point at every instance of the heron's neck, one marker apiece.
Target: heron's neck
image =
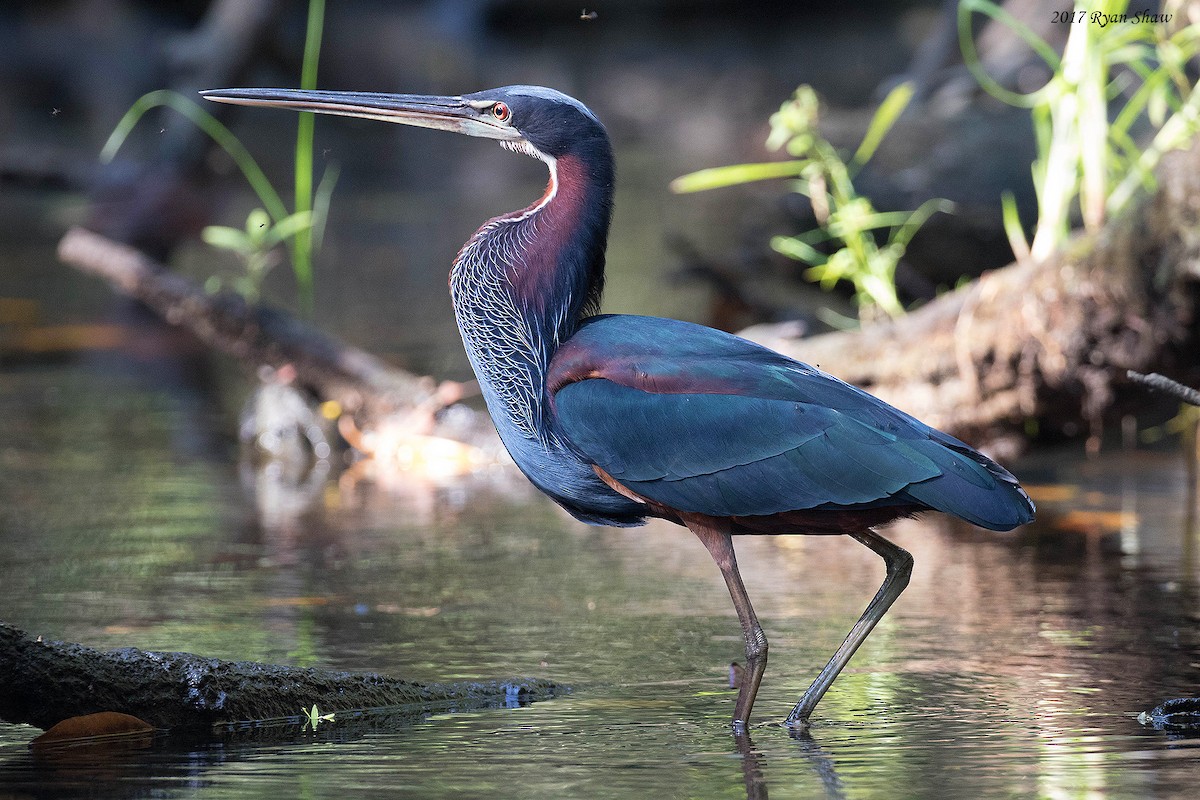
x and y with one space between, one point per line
523 282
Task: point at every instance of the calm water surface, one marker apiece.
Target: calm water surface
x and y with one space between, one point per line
1015 665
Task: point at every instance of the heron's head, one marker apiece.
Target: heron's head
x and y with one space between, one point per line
540 122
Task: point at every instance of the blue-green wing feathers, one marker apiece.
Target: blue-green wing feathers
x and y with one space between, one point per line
704 422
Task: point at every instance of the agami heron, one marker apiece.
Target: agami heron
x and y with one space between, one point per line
619 418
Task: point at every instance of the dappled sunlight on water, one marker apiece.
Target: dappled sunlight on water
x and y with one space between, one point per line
1014 665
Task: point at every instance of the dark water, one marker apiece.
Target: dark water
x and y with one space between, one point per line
1014 666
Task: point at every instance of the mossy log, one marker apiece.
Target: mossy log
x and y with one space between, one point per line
1051 341
43 683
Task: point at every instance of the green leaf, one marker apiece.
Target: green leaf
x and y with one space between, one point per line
885 117
321 201
908 229
1012 226
226 238
290 226
792 247
258 227
721 177
844 224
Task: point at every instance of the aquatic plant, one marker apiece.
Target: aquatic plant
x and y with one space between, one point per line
1121 78
845 218
302 229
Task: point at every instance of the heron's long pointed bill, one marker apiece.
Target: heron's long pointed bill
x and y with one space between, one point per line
424 111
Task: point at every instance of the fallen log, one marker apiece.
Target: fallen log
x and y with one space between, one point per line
1050 342
43 683
254 334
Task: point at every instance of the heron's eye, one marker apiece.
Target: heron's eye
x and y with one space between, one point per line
502 112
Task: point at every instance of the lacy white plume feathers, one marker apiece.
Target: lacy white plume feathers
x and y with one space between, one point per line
522 146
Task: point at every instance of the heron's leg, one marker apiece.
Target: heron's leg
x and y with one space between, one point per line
899 568
717 538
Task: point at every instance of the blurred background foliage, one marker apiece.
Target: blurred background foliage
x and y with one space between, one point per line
681 88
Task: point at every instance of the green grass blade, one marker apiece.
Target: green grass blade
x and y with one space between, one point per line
212 128
913 222
1012 226
321 202
794 248
885 117
966 40
736 174
302 242
289 227
869 222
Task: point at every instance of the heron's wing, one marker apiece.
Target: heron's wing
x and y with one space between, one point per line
702 421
